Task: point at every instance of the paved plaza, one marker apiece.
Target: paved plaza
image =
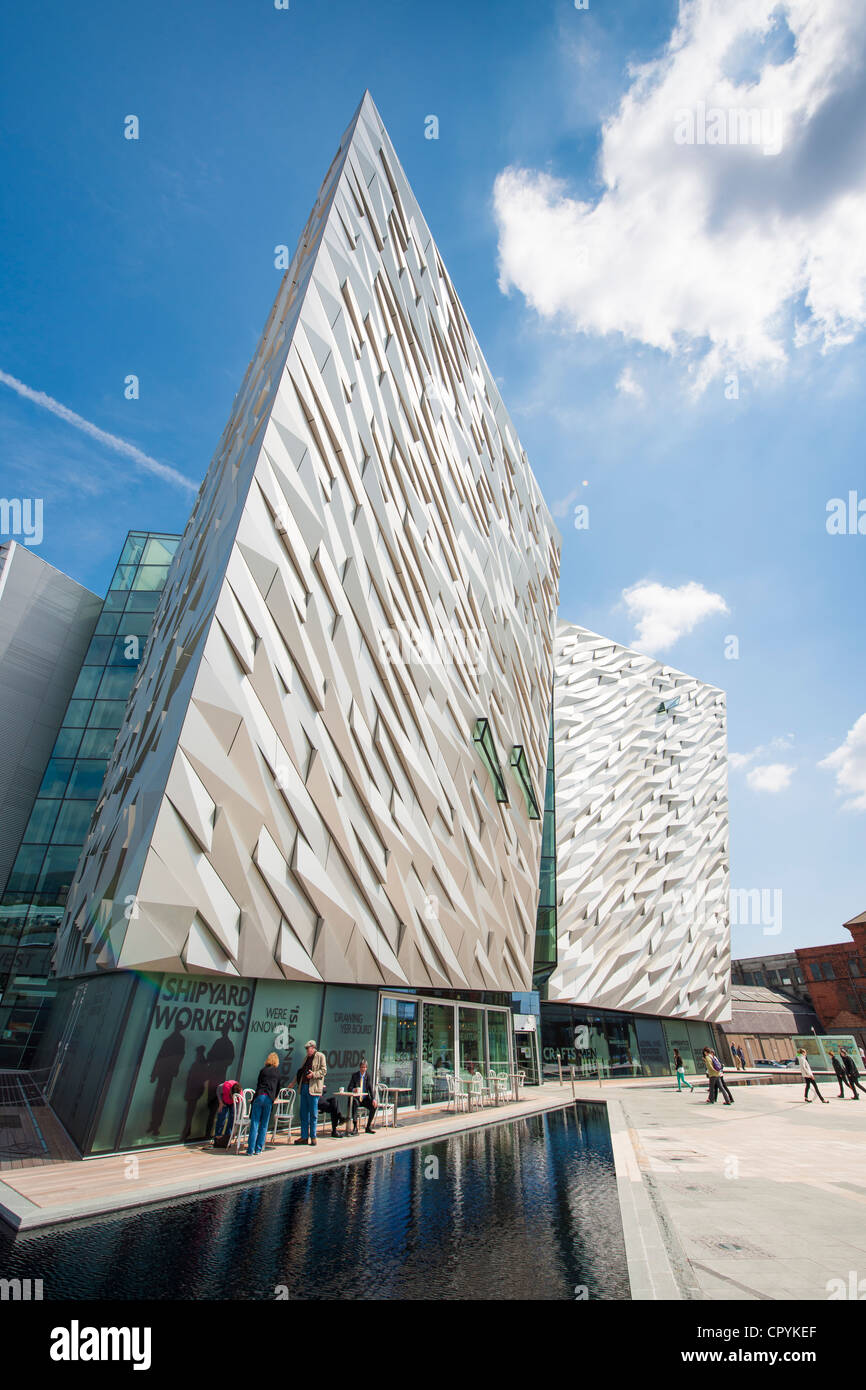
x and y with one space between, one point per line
763 1199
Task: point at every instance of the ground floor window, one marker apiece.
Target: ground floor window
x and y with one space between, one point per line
604 1043
423 1042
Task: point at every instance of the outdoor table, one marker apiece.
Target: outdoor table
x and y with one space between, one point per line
350 1096
472 1093
396 1091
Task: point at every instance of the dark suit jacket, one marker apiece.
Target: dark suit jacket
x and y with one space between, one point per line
370 1084
837 1066
850 1066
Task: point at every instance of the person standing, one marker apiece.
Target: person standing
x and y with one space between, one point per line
720 1074
680 1069
851 1072
809 1077
737 1061
266 1092
841 1074
310 1082
712 1077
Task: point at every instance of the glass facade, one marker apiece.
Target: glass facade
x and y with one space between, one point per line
437 1052
545 925
32 905
604 1043
423 1041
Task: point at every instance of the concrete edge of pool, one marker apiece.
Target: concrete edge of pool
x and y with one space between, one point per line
61 1193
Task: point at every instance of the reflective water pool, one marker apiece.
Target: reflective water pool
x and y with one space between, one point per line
525 1209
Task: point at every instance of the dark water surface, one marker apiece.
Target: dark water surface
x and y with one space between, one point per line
522 1209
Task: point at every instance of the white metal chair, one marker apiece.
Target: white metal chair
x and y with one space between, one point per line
501 1087
281 1115
475 1089
457 1096
240 1119
384 1107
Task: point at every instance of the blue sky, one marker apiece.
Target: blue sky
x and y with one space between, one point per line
156 257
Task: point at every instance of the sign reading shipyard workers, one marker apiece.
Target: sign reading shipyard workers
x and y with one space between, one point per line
195 1041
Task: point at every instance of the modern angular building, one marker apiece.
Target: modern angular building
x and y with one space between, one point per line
355 793
323 806
642 961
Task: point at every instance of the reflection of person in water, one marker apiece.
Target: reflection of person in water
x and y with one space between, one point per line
219 1060
165 1069
196 1081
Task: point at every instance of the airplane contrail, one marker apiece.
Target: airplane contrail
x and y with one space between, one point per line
111 441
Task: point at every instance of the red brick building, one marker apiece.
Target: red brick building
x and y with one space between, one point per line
836 980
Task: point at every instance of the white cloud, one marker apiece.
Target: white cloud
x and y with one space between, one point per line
771 777
740 760
665 615
628 385
848 761
711 251
110 441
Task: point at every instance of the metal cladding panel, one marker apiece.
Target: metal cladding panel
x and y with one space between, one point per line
46 623
642 833
369 568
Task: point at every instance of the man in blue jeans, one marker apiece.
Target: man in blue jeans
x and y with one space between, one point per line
310 1082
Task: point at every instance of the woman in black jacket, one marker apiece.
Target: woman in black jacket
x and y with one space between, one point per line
267 1090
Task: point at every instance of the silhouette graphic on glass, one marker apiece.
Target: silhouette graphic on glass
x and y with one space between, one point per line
165 1069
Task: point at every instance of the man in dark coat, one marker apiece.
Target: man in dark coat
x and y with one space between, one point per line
841 1074
853 1074
362 1082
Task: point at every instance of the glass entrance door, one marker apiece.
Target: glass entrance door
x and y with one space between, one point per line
471 1043
398 1046
437 1051
498 1028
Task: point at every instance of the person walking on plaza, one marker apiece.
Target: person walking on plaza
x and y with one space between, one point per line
712 1077
851 1072
841 1074
266 1092
362 1083
720 1073
310 1082
715 1073
680 1069
809 1077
